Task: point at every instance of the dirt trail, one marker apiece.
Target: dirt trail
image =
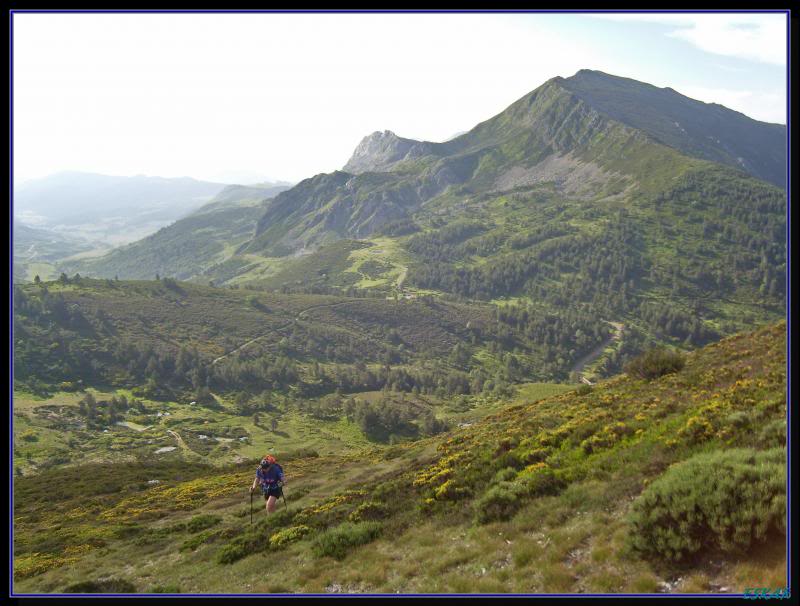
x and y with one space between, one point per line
281 327
401 278
179 439
597 351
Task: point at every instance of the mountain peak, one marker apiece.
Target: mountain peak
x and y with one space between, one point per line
703 130
381 150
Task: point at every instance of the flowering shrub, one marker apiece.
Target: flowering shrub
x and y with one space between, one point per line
289 535
607 437
185 496
35 563
696 430
370 510
451 491
437 474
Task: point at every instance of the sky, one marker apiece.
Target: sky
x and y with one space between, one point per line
239 98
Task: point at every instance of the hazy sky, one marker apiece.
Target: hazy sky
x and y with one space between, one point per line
239 97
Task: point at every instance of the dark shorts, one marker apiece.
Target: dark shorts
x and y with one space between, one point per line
272 491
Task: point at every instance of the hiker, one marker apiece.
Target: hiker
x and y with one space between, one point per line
270 476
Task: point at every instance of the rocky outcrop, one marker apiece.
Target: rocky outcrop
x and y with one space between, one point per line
380 151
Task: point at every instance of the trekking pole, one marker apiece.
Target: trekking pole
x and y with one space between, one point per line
251 505
284 499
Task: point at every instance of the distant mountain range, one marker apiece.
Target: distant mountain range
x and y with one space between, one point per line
192 244
112 209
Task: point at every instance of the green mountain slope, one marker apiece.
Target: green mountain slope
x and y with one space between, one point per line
704 130
191 245
37 251
176 338
542 496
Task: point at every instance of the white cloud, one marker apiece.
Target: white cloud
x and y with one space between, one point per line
754 36
764 106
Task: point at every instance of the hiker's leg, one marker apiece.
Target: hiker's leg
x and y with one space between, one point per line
271 504
266 503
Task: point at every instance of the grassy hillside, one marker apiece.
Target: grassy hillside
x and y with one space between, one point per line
542 496
37 252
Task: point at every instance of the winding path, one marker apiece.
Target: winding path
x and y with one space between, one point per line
281 327
179 439
597 351
401 278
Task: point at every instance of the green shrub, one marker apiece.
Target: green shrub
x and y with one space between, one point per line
102 586
337 541
498 503
739 420
255 539
773 434
234 551
507 474
289 535
607 437
148 536
584 390
507 459
540 480
204 537
371 510
535 455
29 435
725 499
126 531
655 363
201 522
